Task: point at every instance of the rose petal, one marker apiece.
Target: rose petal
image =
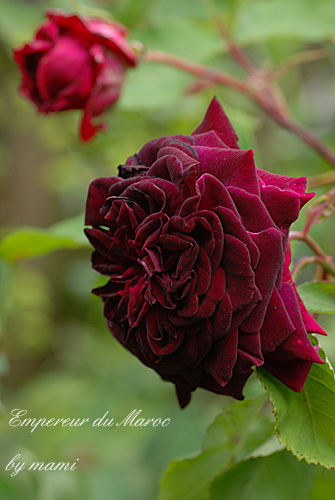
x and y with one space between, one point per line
222 317
215 293
249 346
97 195
222 357
165 346
295 184
298 342
87 128
60 67
232 225
283 206
277 325
252 210
232 167
184 396
209 139
239 274
217 120
287 368
270 264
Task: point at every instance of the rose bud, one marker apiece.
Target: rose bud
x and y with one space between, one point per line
75 63
194 241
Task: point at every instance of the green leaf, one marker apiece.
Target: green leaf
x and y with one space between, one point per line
318 296
29 241
240 429
305 422
272 445
302 20
323 485
71 228
277 477
245 425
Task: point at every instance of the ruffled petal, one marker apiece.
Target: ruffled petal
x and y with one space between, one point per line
97 195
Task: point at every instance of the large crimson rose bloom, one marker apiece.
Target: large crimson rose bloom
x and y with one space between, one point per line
75 63
193 239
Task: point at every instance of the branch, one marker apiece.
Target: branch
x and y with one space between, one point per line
301 265
321 180
255 86
324 260
313 245
215 75
236 52
300 58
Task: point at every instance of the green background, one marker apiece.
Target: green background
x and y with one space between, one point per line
59 358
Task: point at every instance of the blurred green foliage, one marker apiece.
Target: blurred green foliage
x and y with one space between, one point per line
60 360
262 478
245 423
318 297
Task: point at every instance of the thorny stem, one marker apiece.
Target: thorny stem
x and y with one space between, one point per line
313 245
306 261
324 260
301 265
254 86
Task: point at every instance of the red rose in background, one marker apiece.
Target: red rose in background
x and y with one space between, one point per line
194 240
75 63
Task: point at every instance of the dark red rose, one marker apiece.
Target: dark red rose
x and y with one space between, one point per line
193 238
75 63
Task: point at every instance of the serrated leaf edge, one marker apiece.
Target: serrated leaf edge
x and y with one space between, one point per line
299 456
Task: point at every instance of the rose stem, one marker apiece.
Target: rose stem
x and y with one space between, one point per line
236 52
303 263
280 110
313 245
260 91
296 59
324 259
321 180
242 58
206 72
